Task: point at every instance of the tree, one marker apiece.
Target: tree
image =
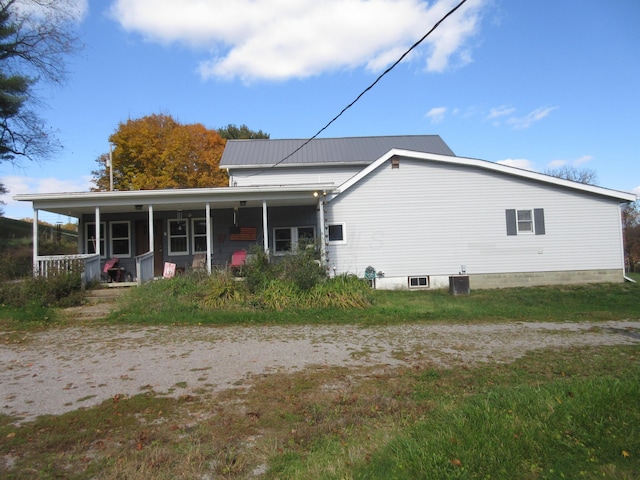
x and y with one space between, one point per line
158 152
580 175
631 232
35 36
231 132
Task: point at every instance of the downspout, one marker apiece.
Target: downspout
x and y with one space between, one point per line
151 232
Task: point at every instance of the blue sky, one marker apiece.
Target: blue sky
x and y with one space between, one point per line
535 84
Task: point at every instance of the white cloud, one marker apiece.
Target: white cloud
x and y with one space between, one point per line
279 39
581 160
554 164
74 10
500 111
518 163
436 114
529 119
637 191
17 185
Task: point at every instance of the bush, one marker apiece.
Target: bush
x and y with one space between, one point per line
223 291
61 289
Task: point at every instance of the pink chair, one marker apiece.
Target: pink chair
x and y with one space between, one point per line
238 260
112 270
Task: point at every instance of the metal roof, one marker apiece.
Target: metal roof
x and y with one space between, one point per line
319 151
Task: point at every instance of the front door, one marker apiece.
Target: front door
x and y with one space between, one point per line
142 243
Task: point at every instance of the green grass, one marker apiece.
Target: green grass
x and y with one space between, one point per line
552 414
179 301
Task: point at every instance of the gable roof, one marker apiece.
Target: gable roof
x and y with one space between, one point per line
485 165
324 151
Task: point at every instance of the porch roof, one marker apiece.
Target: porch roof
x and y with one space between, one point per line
75 204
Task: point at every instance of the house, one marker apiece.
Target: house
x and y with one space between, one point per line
402 209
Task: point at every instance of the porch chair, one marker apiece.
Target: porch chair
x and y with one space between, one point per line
199 261
113 271
238 260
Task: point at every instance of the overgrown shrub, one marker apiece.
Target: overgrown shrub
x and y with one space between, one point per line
60 289
223 291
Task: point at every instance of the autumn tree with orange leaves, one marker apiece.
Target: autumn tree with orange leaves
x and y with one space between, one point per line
156 152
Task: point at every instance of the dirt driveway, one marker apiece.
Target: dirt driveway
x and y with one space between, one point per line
64 369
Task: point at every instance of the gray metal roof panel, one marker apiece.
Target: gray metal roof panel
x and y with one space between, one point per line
353 150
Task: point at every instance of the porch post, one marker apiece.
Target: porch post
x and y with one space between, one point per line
98 232
35 243
323 237
265 228
151 233
208 215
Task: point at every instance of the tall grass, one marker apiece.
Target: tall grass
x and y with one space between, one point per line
222 299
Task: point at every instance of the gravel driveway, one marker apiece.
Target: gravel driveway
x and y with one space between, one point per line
64 369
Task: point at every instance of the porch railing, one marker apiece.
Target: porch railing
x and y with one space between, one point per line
144 267
89 265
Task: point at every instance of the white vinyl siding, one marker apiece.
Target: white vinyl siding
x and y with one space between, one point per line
432 218
293 176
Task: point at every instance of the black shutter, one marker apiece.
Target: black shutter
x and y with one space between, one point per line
538 219
512 227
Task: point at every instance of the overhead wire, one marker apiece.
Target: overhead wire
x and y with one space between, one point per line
402 57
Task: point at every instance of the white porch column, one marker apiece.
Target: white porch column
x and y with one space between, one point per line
209 242
323 236
265 228
35 242
98 232
151 233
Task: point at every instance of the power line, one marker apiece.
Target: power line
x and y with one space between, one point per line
402 57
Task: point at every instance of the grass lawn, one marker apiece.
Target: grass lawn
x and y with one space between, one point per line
179 303
552 414
549 415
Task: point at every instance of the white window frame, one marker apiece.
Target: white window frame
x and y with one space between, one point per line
112 238
421 280
171 237
295 237
195 235
103 242
343 240
530 222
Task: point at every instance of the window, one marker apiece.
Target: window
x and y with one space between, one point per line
337 233
178 236
120 239
90 239
523 222
199 226
419 282
288 239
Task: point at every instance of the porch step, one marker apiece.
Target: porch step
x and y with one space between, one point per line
99 304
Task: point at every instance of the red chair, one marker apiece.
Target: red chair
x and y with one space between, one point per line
238 260
113 271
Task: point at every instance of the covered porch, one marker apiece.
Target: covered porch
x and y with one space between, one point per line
136 233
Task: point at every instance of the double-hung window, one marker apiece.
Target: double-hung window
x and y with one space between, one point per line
199 229
120 237
90 242
289 239
525 221
178 237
